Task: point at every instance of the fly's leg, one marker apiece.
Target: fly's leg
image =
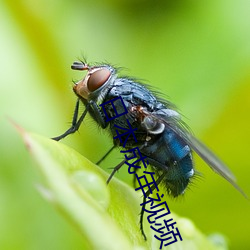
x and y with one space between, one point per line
75 124
143 204
115 170
105 155
136 169
98 114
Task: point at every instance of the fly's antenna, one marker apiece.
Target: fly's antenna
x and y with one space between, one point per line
80 66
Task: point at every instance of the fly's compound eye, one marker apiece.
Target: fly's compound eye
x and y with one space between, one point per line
97 79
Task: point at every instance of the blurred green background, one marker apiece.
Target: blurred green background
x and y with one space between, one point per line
196 52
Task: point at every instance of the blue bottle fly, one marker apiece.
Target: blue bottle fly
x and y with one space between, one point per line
161 135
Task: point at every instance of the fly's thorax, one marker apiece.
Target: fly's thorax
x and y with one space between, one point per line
94 85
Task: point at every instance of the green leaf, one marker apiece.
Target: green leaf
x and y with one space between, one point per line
106 215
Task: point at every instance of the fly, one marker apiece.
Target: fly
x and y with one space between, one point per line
162 136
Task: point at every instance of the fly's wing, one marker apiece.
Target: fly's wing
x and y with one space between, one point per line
175 124
212 160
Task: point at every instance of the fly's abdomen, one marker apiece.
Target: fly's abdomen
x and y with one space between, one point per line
180 165
174 160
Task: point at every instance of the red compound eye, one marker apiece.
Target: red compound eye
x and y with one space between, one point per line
97 79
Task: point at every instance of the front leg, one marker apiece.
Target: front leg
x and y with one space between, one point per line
75 124
98 115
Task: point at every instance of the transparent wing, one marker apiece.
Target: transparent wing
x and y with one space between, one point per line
174 123
212 160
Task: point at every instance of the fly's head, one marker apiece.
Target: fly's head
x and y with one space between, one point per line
93 85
